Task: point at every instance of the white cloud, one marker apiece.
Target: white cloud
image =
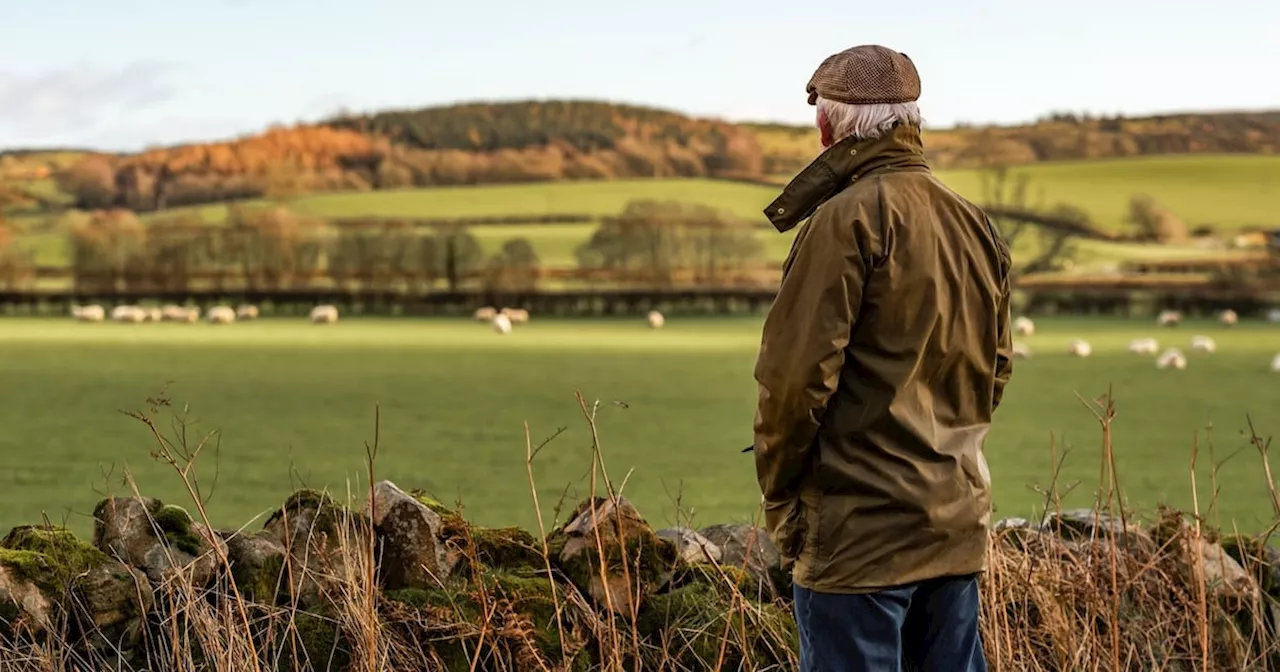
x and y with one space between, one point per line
77 99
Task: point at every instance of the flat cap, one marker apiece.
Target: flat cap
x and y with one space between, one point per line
864 75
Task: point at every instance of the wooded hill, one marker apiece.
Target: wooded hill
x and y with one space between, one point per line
531 141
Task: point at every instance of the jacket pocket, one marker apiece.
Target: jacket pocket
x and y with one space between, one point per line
787 527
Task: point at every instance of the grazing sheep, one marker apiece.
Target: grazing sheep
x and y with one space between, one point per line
516 315
1169 318
128 314
172 313
154 314
485 314
1273 315
190 315
1023 326
325 314
656 320
1144 346
91 313
1172 357
246 312
221 315
1079 348
1228 318
501 323
1203 344
1021 351
1275 364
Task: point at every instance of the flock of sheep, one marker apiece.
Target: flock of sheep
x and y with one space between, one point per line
1170 358
173 313
502 320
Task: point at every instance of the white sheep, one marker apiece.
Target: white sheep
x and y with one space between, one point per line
1023 326
485 314
1203 344
325 314
1144 346
1169 318
516 315
153 314
174 313
1021 351
191 315
656 320
1273 315
1079 348
221 315
501 324
128 314
1228 318
91 313
246 312
1172 357
1275 364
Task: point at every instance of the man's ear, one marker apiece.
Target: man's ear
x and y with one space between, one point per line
824 127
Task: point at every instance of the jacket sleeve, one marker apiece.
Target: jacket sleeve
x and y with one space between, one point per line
802 349
1004 346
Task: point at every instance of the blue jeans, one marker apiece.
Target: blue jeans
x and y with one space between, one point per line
926 627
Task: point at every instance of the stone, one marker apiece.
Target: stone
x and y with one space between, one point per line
161 540
310 526
635 559
1081 525
694 549
23 604
115 599
257 565
1196 555
750 549
411 553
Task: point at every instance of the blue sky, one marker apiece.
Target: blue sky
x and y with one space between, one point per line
126 74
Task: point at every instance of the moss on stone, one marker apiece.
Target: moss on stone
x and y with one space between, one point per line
37 568
175 523
264 584
321 643
698 615
59 543
533 596
647 557
328 513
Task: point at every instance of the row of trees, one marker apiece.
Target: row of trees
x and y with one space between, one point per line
274 250
481 144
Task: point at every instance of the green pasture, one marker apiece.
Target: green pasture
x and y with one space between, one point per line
294 404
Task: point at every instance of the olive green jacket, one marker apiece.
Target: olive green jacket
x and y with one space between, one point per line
882 358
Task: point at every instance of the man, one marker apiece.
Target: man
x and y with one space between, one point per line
882 359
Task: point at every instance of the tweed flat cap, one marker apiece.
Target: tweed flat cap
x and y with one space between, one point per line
864 75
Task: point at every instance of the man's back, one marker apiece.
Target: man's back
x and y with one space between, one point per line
894 488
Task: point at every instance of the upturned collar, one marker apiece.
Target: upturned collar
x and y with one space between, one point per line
839 166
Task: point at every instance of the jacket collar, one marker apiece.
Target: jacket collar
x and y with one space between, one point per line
840 165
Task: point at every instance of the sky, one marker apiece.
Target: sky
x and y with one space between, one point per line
127 74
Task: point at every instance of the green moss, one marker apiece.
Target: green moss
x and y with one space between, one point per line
534 597
432 503
175 523
647 557
37 568
261 584
691 621
321 644
59 543
328 513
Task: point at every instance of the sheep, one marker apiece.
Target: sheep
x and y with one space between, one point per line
485 314
1021 351
1228 318
221 315
127 314
1144 346
91 313
325 314
1275 364
246 312
1172 357
1169 318
516 315
501 324
1273 315
190 315
1023 326
174 313
153 314
1203 344
656 320
1079 348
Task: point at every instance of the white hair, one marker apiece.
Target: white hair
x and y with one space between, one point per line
866 121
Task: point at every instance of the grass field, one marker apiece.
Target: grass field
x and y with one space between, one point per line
294 404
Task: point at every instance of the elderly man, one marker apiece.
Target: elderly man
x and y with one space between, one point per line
882 359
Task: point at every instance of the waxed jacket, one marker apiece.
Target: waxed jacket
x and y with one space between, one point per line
883 356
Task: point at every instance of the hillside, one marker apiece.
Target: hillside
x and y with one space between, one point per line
1057 138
